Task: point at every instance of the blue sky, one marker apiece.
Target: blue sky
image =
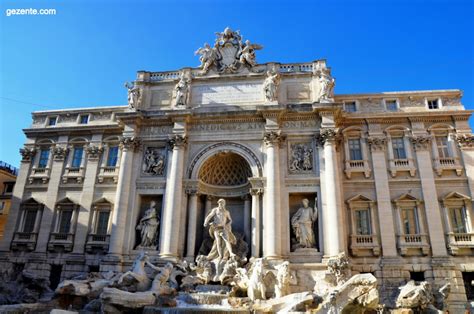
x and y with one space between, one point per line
81 56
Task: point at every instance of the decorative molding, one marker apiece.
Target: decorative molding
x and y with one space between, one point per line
178 141
465 141
130 143
60 153
377 143
420 142
272 138
27 154
327 135
93 152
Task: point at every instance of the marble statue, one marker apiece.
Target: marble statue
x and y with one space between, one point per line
256 282
326 85
148 226
208 56
154 162
416 296
247 53
270 85
161 279
220 229
134 95
302 223
228 35
301 159
182 91
282 286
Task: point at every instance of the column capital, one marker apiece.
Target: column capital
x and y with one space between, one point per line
93 152
421 142
192 191
130 143
327 135
177 141
27 154
256 192
377 143
271 138
465 141
59 153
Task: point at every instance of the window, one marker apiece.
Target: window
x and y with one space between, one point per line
355 151
43 158
350 106
417 276
459 219
362 218
77 157
65 217
410 220
52 121
442 144
8 187
433 104
84 119
30 221
102 225
391 105
112 156
398 146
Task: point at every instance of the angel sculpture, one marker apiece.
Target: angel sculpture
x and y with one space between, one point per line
247 53
207 58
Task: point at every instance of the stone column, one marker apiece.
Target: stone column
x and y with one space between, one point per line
271 212
93 153
255 240
119 214
169 239
28 154
466 144
247 226
208 207
378 145
58 155
430 195
192 223
332 230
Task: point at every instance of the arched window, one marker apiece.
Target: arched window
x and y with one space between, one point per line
400 155
356 154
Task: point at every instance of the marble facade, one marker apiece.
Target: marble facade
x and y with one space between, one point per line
390 175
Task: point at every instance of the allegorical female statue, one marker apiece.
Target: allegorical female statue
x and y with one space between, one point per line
220 229
182 91
302 223
270 85
148 226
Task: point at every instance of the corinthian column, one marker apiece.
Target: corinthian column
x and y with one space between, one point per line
332 229
271 212
128 146
192 223
169 238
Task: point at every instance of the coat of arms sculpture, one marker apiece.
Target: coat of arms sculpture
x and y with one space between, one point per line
229 53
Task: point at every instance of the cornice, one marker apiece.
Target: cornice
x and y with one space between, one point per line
68 129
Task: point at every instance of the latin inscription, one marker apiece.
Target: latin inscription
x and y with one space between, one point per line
227 127
227 94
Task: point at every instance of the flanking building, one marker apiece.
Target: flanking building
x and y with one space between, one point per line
390 175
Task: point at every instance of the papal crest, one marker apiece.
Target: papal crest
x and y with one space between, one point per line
228 54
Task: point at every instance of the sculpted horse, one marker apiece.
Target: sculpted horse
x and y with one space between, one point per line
136 279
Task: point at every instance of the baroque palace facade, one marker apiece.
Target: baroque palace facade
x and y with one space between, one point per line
390 175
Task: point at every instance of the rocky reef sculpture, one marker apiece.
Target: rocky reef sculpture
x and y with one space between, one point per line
419 297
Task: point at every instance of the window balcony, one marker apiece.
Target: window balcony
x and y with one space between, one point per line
61 242
447 163
97 243
74 174
411 244
460 243
24 241
364 245
353 166
108 174
39 174
397 165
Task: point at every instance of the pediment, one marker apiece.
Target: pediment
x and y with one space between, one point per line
359 198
